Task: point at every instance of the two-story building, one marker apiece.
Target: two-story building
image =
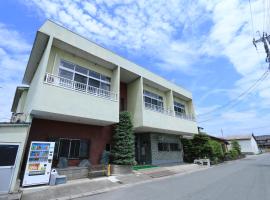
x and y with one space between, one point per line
75 90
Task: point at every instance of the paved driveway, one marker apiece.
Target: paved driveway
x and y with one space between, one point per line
247 179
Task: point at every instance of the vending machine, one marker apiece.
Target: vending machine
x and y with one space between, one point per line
39 163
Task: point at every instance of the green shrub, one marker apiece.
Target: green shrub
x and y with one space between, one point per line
234 154
188 149
123 141
236 146
217 153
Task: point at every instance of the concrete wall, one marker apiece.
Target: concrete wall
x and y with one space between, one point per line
168 123
164 157
22 101
135 101
248 146
49 101
57 54
37 82
18 135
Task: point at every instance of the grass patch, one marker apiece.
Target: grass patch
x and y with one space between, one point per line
138 167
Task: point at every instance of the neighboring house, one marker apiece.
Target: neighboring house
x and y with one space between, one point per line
224 143
247 142
76 90
263 142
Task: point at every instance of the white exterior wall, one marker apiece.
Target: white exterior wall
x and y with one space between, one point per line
254 146
17 135
247 146
57 103
167 123
135 101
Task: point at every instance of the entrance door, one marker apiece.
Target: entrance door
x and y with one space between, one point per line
143 148
8 154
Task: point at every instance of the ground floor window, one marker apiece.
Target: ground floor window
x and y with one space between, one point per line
162 146
71 148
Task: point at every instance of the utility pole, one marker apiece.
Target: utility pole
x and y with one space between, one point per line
265 39
221 130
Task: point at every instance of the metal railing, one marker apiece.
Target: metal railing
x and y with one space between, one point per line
184 116
161 109
77 86
156 108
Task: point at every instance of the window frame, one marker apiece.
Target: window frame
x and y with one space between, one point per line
87 76
153 98
181 106
69 157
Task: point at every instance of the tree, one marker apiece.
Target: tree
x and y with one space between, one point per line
217 151
188 150
236 146
123 141
201 145
197 147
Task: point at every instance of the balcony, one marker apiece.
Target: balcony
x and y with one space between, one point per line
79 87
169 112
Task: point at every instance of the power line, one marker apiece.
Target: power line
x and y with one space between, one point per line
237 102
264 75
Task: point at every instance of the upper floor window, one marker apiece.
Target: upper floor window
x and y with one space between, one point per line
83 77
179 108
153 101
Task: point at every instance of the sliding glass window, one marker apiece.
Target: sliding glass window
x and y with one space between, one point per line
179 109
84 79
153 101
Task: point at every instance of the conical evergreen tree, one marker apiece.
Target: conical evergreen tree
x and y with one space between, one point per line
123 141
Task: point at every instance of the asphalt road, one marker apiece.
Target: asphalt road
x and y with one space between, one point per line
247 179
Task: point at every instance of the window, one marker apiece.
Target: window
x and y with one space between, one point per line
179 108
174 147
168 146
83 77
163 147
74 149
71 148
153 101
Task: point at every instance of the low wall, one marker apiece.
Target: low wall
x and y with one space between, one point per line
73 173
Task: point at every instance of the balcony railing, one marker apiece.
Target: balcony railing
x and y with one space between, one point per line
160 109
156 108
80 87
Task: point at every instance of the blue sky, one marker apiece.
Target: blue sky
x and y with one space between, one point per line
204 46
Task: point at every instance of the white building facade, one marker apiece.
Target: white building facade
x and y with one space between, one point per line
247 142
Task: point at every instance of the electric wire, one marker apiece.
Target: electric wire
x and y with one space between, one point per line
236 103
239 96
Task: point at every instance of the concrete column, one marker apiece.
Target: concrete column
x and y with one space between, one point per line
135 101
169 101
37 80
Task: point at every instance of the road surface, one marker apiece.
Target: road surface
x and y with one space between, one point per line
247 179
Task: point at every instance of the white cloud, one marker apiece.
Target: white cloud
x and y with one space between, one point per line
14 51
